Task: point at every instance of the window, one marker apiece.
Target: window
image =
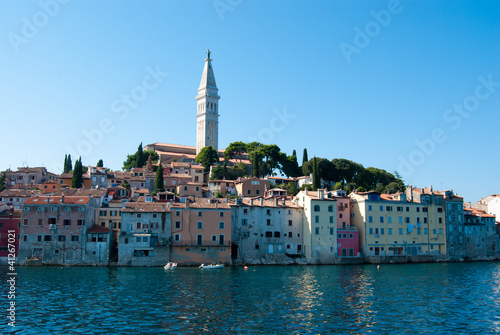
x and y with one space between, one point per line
316 208
154 216
330 208
277 234
25 238
382 231
418 209
407 219
340 216
67 222
440 210
138 239
138 225
221 239
425 220
199 239
370 231
214 238
289 222
376 231
441 231
400 219
426 231
52 221
369 207
257 192
419 231
177 225
268 212
381 208
221 225
268 222
47 238
434 231
407 209
332 230
39 238
388 208
331 219
177 237
424 209
81 222
25 222
381 219
389 219
316 231
249 191
199 225
389 231
245 211
269 234
400 231
40 222
221 214
289 234
418 220
177 213
244 222
399 208
200 213
316 219
61 238
74 238
351 235
139 215
370 219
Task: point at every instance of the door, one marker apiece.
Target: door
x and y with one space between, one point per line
270 248
377 251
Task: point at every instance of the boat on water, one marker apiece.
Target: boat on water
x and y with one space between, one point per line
170 266
212 266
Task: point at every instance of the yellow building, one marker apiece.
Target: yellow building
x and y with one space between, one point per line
390 225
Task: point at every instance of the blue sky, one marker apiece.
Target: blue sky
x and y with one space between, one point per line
412 86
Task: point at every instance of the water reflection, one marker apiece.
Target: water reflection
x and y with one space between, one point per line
438 298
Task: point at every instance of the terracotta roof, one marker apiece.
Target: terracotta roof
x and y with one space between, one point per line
98 229
145 207
96 193
477 212
68 200
267 203
65 175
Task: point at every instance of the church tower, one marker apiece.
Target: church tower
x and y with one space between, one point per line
207 117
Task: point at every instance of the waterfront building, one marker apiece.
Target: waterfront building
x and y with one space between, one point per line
201 232
434 216
389 225
455 227
319 216
251 187
481 239
145 235
261 228
490 204
9 222
54 230
190 189
347 234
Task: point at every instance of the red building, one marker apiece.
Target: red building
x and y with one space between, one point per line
9 230
348 242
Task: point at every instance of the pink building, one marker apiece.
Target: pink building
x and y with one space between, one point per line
201 232
347 235
9 231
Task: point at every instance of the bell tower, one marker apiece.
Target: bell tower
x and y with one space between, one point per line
207 116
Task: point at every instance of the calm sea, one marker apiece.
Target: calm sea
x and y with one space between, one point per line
444 298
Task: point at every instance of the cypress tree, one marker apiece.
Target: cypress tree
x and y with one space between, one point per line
159 179
65 163
256 165
139 159
316 179
69 165
100 163
2 182
304 157
77 180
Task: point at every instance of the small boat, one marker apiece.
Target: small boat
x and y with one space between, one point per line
170 266
212 266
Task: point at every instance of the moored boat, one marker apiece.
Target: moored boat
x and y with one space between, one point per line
170 266
212 266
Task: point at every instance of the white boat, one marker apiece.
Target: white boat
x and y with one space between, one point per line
170 266
212 266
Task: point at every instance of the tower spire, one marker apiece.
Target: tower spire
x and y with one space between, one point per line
207 108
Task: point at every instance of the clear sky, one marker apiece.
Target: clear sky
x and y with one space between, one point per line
409 86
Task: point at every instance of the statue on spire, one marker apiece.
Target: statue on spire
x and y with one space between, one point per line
208 53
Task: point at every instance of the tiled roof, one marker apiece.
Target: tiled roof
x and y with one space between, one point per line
145 207
96 229
68 200
267 203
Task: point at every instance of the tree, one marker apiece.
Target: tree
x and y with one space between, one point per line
138 159
217 173
207 157
77 180
100 163
235 149
304 156
2 182
316 177
338 186
126 185
159 187
68 166
256 164
291 189
149 164
346 170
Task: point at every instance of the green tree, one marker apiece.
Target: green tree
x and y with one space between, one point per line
126 185
65 163
207 157
159 180
346 170
291 189
68 166
77 180
2 182
132 161
100 163
338 186
256 164
304 156
217 173
149 163
235 149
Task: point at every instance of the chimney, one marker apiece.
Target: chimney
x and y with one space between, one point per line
251 202
276 201
321 194
262 201
187 203
306 191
